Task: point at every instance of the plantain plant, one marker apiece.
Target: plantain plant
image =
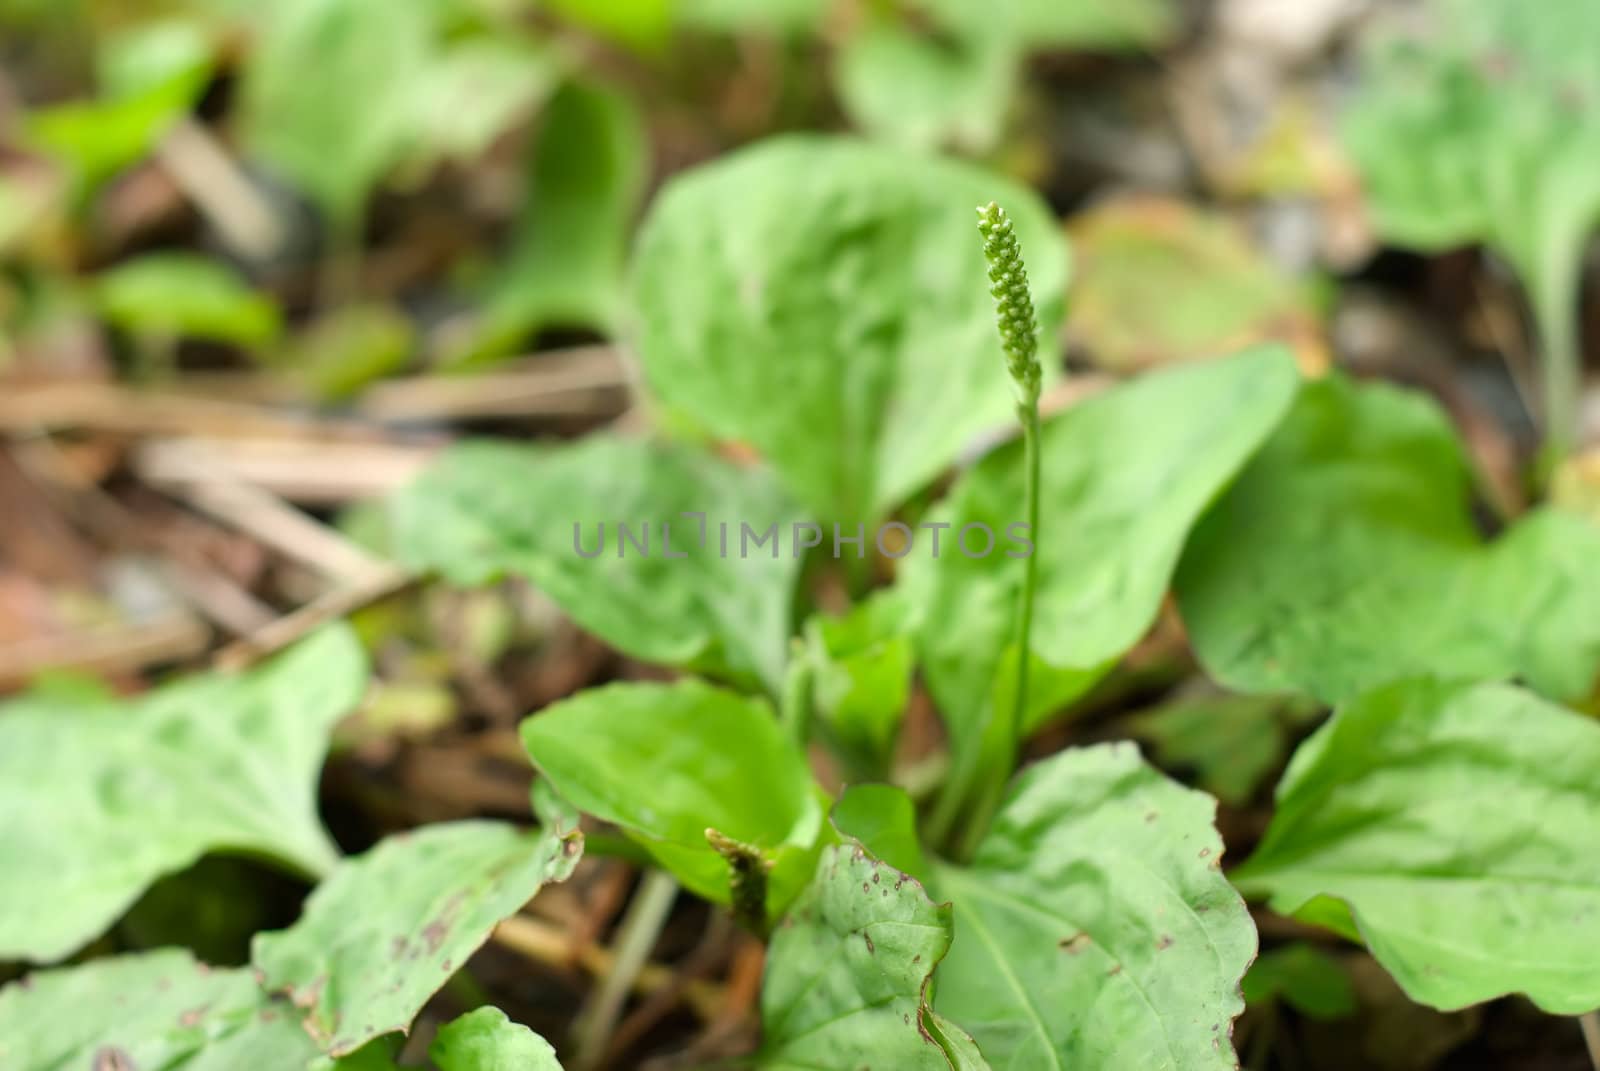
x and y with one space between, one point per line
821 301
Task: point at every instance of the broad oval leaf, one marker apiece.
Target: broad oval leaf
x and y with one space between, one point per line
1344 557
667 762
1457 822
1125 476
826 301
1094 928
697 596
102 798
158 1009
848 972
486 1040
387 929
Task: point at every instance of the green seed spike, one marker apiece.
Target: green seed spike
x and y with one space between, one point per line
1013 304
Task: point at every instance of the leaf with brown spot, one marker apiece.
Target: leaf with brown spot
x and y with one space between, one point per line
144 1012
1165 939
845 986
445 887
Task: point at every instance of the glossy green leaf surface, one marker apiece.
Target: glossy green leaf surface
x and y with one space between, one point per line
667 762
1345 557
486 510
105 797
486 1040
1094 928
1456 823
847 973
884 820
388 928
845 279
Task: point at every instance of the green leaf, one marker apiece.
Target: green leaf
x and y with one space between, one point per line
884 820
486 1040
330 95
923 92
348 348
1085 24
102 798
1094 928
1307 979
1231 741
1456 822
862 665
188 296
151 78
640 24
1486 128
1125 476
484 510
823 300
1345 557
152 1010
1161 281
667 762
848 971
388 928
569 250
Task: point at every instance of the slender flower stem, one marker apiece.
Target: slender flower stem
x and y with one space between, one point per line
1029 415
1019 338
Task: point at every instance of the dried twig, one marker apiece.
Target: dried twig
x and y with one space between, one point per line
557 383
301 471
335 604
123 648
209 177
272 521
550 946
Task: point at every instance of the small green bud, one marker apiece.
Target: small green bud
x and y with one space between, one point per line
1013 304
